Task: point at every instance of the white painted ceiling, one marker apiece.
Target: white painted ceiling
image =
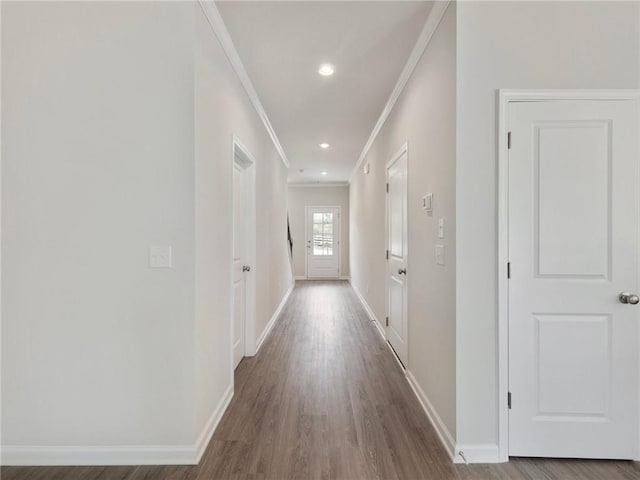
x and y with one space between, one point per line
282 44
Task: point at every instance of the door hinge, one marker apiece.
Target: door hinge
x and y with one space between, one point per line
508 269
387 321
509 140
387 187
509 400
387 254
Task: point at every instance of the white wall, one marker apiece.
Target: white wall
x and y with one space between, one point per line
97 165
298 198
517 45
222 111
117 130
424 116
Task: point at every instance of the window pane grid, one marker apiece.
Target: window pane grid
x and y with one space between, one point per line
323 234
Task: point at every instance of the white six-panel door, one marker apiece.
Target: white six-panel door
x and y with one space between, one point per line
573 249
397 327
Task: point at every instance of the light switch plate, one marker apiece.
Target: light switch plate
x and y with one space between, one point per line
440 255
441 228
427 202
160 256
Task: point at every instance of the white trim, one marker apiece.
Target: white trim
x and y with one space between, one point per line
504 97
345 277
300 277
369 311
482 453
509 95
119 455
274 318
1 223
431 25
205 437
441 429
316 185
219 28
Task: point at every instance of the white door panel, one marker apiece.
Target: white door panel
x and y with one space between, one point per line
397 257
239 283
323 242
573 247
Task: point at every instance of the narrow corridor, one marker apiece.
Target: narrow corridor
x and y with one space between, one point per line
325 398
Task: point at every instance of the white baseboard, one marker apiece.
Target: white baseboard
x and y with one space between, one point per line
38 455
345 277
443 433
274 318
300 277
485 453
367 308
205 437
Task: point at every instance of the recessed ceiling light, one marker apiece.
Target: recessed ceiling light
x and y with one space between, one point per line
324 146
323 173
326 69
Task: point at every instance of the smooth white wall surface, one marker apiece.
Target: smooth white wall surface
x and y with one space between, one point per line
97 148
514 45
298 198
222 111
424 116
117 134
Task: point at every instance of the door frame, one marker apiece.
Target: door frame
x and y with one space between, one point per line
307 239
504 98
241 156
404 149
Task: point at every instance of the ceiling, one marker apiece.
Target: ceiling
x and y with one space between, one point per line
283 43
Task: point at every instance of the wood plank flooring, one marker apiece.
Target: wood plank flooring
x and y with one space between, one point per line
325 399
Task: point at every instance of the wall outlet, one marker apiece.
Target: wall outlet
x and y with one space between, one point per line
440 255
160 256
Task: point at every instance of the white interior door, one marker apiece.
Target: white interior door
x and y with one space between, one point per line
323 242
397 324
239 264
573 248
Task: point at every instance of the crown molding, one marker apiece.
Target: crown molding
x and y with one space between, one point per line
431 25
313 185
219 28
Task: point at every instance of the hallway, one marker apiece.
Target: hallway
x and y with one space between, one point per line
324 398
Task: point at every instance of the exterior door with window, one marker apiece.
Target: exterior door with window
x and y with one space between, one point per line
323 242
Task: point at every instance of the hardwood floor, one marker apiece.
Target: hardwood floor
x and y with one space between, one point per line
324 398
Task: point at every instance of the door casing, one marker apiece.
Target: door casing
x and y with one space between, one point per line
241 156
504 98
